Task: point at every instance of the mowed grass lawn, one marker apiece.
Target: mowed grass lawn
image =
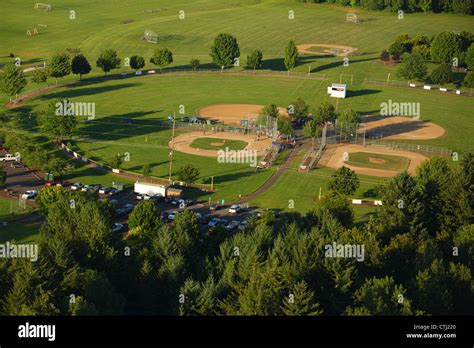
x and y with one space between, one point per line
264 25
20 233
146 139
218 144
148 100
378 161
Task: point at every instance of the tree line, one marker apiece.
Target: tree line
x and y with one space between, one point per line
419 252
448 50
454 6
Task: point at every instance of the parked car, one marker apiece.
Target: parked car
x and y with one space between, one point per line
85 188
164 216
104 190
204 220
234 209
29 194
128 208
179 202
242 225
117 227
190 201
232 225
53 183
224 222
7 157
158 198
120 212
214 207
172 215
140 196
16 164
113 192
76 186
213 222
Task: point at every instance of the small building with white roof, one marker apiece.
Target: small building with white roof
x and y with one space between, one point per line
337 90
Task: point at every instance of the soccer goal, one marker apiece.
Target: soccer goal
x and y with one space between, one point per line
352 17
345 77
150 36
41 6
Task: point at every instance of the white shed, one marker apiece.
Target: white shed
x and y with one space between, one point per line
337 90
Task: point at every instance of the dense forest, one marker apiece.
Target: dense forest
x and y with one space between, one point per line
455 6
418 257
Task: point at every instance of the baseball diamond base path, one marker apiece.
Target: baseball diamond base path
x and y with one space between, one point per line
398 127
233 113
336 160
346 50
183 142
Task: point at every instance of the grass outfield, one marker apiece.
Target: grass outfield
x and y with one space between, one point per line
387 162
217 144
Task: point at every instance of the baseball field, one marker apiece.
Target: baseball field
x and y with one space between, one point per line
132 111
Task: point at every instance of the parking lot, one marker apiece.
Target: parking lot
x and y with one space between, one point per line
20 179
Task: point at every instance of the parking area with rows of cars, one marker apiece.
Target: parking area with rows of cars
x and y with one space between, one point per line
26 185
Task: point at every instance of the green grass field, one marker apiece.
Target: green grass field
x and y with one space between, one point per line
218 144
21 233
369 160
148 100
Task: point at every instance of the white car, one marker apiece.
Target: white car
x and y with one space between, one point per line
29 194
85 188
76 186
7 157
151 71
234 209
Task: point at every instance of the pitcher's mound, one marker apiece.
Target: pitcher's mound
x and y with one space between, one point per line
233 113
376 160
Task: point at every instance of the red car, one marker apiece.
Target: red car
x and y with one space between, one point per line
53 183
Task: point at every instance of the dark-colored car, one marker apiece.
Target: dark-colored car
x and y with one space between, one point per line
204 219
214 207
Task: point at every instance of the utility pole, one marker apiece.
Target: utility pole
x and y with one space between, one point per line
212 183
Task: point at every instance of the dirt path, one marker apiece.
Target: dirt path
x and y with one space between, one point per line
276 175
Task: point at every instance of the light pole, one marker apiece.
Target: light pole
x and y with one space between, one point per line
171 152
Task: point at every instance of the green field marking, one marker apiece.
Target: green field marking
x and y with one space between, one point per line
217 144
388 162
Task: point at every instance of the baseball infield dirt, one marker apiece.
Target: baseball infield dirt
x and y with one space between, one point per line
397 127
183 142
337 159
233 113
326 49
